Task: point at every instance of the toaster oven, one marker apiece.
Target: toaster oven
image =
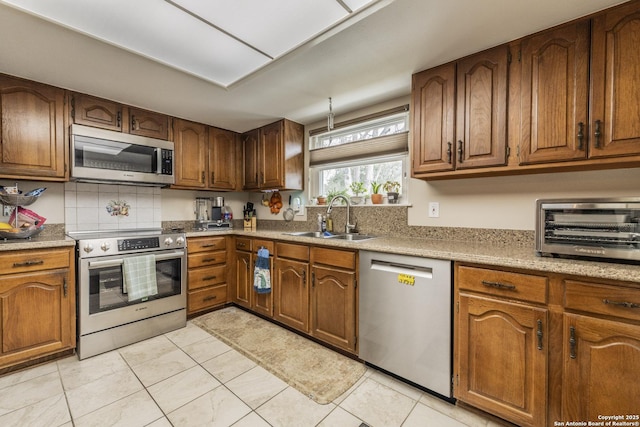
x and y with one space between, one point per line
606 229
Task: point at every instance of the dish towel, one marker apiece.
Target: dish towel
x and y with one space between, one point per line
262 273
139 277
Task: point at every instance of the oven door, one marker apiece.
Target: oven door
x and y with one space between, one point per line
103 303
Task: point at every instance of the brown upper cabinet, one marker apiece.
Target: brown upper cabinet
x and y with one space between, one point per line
556 100
224 154
190 156
274 157
460 113
32 130
91 111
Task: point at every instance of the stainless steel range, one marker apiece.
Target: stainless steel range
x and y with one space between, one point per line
131 286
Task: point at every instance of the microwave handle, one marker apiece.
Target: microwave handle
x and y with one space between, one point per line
157 161
116 262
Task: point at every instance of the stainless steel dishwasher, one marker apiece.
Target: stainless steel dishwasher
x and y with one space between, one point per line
405 318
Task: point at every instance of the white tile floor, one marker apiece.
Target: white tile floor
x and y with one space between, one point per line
189 378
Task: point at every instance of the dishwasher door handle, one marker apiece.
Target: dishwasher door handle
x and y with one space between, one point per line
412 270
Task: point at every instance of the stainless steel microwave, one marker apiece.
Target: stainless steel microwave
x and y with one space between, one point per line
105 156
607 229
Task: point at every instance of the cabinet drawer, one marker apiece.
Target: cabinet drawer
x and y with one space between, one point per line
287 250
33 260
206 258
267 244
506 284
207 297
334 257
202 244
602 299
202 277
243 244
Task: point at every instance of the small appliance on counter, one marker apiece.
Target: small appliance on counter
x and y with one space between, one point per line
212 214
607 229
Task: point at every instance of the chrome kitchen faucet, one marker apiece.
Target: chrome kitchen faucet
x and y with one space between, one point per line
348 227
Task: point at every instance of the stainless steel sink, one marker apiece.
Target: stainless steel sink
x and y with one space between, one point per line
341 236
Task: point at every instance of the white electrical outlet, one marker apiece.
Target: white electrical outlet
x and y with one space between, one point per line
434 209
6 210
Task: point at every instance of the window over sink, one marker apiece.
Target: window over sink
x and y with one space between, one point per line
368 149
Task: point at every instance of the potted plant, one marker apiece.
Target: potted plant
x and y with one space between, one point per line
335 193
321 199
376 198
357 188
392 188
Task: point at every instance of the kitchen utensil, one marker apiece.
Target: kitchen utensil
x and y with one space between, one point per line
288 213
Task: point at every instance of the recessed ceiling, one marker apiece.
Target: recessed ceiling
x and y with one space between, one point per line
220 41
360 59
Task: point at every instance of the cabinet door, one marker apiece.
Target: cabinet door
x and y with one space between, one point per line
148 123
601 368
244 279
502 359
190 153
271 168
32 142
333 303
433 107
291 293
38 315
555 84
222 159
615 73
91 111
481 136
250 144
263 303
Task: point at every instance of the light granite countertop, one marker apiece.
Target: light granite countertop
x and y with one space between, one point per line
489 253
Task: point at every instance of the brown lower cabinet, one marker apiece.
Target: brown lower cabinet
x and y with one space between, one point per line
207 273
38 305
313 288
538 348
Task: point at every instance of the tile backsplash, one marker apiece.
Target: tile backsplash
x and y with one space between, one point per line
89 207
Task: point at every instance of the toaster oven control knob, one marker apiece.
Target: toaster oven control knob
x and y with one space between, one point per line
105 246
168 241
180 240
88 247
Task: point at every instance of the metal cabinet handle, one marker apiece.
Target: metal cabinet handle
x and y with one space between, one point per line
449 152
65 287
119 119
499 285
597 133
209 298
304 277
580 136
203 176
460 151
313 279
539 334
572 342
133 122
213 177
626 304
209 278
28 263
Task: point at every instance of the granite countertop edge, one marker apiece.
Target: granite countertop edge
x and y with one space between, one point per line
523 257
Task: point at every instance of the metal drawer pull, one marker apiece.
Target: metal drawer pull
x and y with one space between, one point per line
209 298
209 259
572 342
209 277
207 245
499 285
597 133
580 136
622 303
539 334
28 263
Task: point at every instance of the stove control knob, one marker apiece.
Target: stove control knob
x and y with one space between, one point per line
105 246
180 240
88 247
168 241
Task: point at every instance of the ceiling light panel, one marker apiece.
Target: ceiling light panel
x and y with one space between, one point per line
355 5
271 26
157 30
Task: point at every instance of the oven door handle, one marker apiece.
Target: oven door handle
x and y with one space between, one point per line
117 262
